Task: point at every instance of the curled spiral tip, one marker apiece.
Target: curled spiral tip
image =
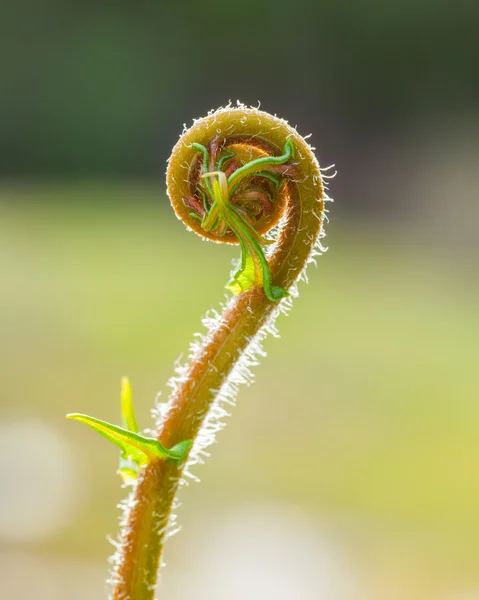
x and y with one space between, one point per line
233 175
231 178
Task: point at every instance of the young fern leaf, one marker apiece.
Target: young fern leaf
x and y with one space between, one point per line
135 446
130 464
234 176
128 417
136 449
254 268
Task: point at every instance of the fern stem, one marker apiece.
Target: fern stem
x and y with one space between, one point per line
244 318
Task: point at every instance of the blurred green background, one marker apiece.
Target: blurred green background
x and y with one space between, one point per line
350 470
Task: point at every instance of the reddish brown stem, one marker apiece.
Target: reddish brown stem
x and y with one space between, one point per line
245 316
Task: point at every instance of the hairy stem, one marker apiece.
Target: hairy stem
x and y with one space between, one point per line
244 317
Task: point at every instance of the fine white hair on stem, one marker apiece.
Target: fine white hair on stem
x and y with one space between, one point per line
221 400
241 374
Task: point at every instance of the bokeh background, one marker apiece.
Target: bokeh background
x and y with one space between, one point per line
350 470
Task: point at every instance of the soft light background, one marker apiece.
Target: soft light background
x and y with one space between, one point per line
350 470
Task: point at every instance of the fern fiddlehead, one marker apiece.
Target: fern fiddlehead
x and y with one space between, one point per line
238 176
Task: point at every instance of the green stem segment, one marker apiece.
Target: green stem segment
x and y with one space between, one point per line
149 511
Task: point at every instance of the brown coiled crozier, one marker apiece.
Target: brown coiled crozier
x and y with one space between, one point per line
300 201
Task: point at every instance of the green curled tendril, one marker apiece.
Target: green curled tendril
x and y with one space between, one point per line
221 215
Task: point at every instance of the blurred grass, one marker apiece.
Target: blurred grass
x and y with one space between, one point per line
365 410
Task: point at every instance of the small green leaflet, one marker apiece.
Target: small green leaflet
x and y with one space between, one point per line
128 418
132 444
136 449
130 465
